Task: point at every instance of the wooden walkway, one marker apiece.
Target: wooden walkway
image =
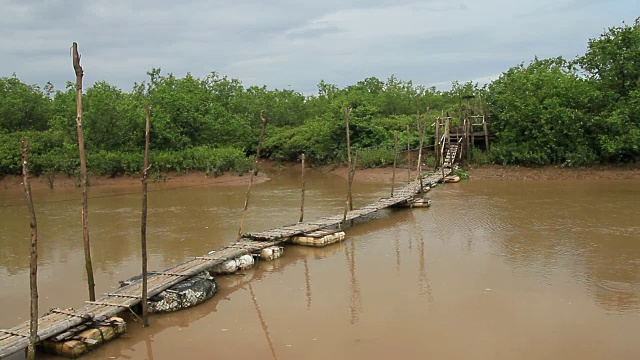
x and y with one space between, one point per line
400 196
58 322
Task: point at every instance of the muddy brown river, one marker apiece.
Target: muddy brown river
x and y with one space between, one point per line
493 270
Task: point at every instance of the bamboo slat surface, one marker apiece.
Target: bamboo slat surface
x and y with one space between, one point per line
401 195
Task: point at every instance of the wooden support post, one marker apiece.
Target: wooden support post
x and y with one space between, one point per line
344 216
83 174
470 122
421 130
419 165
302 201
143 227
253 174
485 124
33 258
347 113
408 155
436 143
486 134
352 174
395 160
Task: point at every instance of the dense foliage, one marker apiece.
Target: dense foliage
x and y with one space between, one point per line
551 111
580 112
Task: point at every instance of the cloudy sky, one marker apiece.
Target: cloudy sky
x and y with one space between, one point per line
294 44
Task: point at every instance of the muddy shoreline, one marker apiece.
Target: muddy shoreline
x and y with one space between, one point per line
375 175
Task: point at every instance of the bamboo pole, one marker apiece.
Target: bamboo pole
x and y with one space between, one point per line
143 228
33 258
436 142
485 127
408 155
351 174
473 143
395 160
421 131
83 174
347 113
302 200
253 174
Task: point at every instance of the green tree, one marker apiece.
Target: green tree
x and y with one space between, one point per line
539 115
612 64
22 106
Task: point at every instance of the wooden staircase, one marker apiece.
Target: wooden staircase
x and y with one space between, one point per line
450 157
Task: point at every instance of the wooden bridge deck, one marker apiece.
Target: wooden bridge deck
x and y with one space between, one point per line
400 196
59 321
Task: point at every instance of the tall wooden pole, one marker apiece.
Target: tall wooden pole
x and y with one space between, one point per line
351 174
484 125
33 260
302 200
143 228
421 131
436 142
395 160
83 174
347 113
253 174
408 155
473 143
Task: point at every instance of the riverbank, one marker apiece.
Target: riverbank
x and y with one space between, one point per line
600 172
500 172
197 178
373 175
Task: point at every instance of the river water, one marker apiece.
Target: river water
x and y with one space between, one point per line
493 270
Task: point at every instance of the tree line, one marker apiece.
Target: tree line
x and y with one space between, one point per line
550 111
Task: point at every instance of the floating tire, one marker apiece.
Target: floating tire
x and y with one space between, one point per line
183 295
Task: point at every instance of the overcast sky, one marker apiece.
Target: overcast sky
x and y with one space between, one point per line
295 44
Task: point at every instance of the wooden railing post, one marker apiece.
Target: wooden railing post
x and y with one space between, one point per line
254 172
83 174
143 227
395 160
302 200
33 257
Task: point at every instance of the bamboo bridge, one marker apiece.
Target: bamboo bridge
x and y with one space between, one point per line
57 323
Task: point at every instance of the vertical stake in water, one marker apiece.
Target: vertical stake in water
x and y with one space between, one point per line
408 155
352 175
436 143
83 174
33 260
254 172
347 113
302 199
421 131
395 160
143 228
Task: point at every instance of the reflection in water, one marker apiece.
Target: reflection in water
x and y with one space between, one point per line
355 301
307 282
263 323
424 284
148 339
396 241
